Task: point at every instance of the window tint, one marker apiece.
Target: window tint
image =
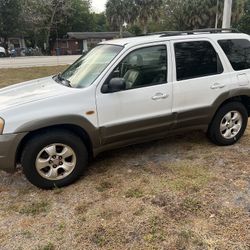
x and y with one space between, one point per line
143 67
196 59
238 52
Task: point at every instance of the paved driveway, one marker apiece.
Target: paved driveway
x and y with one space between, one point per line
36 61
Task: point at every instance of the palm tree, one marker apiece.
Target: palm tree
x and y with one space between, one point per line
190 14
119 12
148 10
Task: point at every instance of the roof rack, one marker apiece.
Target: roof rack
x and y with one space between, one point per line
193 32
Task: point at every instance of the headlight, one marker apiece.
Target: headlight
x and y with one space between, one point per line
1 125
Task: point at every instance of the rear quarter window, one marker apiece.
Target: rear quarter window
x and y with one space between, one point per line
237 52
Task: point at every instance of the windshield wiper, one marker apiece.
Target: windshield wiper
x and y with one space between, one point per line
59 79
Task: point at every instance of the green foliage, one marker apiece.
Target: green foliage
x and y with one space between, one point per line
245 20
45 20
133 12
119 12
148 10
189 14
79 18
10 11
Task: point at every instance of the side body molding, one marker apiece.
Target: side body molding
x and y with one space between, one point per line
227 95
190 120
77 120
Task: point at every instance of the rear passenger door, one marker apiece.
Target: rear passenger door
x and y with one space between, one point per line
238 54
200 77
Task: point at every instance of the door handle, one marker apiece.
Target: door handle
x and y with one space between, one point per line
160 96
217 86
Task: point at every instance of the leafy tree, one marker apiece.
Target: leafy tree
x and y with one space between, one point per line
245 20
100 22
43 16
78 19
10 11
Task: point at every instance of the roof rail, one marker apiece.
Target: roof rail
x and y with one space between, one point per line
193 32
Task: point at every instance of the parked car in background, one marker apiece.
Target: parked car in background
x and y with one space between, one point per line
123 92
2 52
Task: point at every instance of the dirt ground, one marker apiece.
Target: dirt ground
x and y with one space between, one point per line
181 192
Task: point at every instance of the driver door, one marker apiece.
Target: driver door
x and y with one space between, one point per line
144 108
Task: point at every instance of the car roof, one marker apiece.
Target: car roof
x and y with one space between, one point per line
133 41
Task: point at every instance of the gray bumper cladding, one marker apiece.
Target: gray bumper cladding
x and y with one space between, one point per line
8 147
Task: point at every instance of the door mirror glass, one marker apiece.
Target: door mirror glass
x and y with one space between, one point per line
116 84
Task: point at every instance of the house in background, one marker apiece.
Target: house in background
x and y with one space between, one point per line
75 43
16 42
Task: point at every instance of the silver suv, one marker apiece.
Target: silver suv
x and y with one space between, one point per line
123 92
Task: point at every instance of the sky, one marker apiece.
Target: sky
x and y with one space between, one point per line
98 5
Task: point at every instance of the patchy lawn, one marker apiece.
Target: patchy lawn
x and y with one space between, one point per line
178 193
10 76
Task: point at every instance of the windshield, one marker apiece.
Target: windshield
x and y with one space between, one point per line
86 69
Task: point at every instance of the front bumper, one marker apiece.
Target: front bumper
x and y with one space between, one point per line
8 148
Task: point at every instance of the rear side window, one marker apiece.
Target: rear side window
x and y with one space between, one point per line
238 52
196 59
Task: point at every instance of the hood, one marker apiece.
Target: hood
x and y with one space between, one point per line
30 91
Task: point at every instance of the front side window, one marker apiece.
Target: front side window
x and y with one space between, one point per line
85 70
196 59
143 67
238 52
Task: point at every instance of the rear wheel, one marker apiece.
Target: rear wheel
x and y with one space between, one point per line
229 124
55 158
2 54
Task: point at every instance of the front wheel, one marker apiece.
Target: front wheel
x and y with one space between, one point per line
54 158
229 124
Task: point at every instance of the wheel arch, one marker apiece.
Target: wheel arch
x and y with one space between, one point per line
77 130
244 99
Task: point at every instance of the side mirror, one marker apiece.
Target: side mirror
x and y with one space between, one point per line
116 84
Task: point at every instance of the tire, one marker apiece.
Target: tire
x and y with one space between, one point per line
54 159
229 124
2 55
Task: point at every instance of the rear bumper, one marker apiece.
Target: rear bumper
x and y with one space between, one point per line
8 147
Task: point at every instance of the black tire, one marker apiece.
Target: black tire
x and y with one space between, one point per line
214 132
49 137
2 55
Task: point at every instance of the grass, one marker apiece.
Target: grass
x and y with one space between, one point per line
134 193
10 76
104 185
35 208
178 193
190 176
48 246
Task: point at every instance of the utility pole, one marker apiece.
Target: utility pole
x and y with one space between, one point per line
227 14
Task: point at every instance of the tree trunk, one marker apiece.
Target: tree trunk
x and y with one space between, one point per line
6 46
145 29
121 31
47 40
50 26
